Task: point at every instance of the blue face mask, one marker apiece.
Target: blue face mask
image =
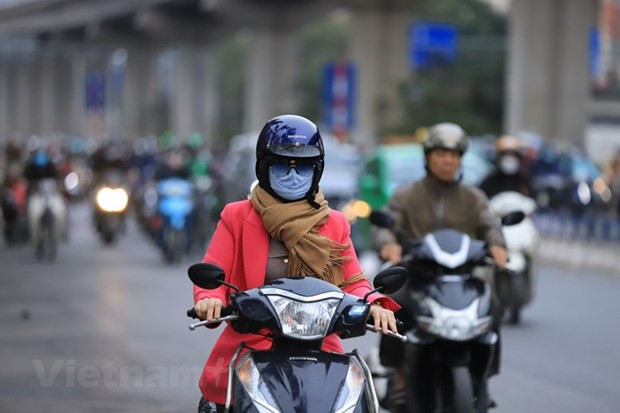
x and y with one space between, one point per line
289 183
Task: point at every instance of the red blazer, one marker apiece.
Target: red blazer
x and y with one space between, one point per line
240 245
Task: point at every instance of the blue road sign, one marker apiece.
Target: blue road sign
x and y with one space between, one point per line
339 81
595 51
95 91
432 44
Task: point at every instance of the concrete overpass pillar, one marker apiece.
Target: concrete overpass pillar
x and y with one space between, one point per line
11 97
208 108
136 93
379 47
4 101
26 114
76 97
271 75
195 104
63 94
548 78
183 104
47 89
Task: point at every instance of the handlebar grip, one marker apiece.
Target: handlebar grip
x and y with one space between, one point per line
225 311
191 313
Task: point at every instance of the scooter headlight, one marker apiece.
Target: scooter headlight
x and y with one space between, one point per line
72 180
112 199
456 325
352 389
248 375
304 318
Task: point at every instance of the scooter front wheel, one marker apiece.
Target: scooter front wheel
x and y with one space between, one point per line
462 391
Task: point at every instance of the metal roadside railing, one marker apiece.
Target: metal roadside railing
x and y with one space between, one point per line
588 243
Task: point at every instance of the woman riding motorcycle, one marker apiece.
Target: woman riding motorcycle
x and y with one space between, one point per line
285 228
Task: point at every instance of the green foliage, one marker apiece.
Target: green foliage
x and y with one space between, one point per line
232 59
469 91
321 43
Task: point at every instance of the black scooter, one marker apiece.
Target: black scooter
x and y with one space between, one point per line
298 313
450 337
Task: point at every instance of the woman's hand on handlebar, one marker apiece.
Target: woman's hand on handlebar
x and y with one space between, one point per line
209 308
383 318
392 252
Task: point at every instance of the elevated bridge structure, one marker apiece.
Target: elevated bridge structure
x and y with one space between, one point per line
548 79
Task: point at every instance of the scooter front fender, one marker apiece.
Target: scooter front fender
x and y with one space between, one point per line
306 382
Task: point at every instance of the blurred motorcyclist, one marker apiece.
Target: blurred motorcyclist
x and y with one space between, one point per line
110 157
509 175
174 166
39 169
197 159
437 201
13 203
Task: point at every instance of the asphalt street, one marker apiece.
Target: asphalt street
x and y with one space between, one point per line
104 329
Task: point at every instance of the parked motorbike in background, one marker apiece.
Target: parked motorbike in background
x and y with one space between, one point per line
515 288
174 217
47 218
297 313
450 338
111 201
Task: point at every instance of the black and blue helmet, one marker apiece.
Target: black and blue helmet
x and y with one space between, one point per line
288 137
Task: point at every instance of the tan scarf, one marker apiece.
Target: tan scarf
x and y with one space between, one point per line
295 224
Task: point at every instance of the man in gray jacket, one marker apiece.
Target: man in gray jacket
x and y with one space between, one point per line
438 201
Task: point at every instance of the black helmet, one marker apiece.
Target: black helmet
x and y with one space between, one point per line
446 136
289 137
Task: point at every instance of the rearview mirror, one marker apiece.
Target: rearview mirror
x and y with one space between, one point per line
390 280
382 219
513 218
205 275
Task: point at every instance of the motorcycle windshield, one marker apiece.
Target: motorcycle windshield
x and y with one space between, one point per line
448 248
306 286
453 291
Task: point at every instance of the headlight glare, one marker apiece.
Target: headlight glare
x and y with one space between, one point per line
304 320
112 199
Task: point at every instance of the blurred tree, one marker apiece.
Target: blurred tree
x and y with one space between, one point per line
321 43
232 57
469 91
